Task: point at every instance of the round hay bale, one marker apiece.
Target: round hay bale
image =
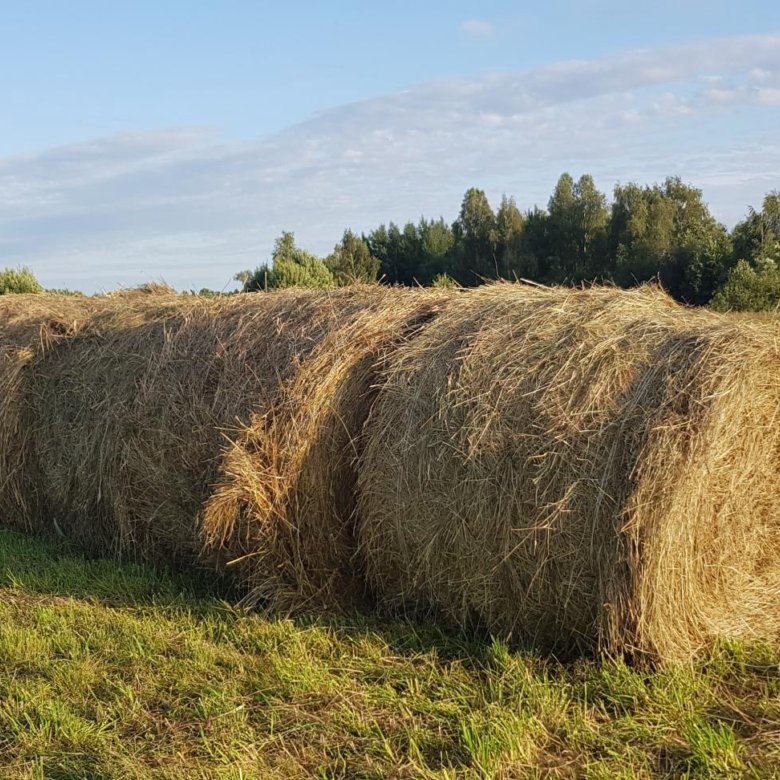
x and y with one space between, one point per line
580 470
30 326
283 507
149 394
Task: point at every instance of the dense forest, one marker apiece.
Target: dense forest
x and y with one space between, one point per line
660 232
663 232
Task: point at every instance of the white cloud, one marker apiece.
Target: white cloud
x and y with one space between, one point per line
769 96
722 95
185 206
759 74
477 28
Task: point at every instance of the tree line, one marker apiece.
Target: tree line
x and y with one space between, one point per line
662 232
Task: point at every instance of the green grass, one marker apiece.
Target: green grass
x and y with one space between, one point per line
111 671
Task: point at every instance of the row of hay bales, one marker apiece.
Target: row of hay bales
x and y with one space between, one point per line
592 469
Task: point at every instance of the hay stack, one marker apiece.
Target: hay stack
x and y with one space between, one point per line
147 396
29 326
160 400
283 508
580 470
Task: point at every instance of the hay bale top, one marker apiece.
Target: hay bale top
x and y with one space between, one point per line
37 318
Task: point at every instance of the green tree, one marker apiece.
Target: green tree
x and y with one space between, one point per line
750 288
758 235
18 280
474 232
667 232
290 267
507 238
592 229
412 255
390 246
641 232
577 231
532 260
436 245
561 230
352 261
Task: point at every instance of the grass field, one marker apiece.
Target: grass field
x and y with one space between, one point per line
111 671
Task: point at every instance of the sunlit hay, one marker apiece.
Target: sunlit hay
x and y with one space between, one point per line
142 290
594 469
146 398
284 505
29 326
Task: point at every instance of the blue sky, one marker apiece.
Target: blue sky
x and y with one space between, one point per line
175 140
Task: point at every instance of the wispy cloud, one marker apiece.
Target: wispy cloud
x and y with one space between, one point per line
188 207
477 28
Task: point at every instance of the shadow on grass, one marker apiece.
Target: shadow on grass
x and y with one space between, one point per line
46 567
54 567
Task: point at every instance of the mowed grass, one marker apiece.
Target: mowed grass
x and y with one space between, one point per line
110 671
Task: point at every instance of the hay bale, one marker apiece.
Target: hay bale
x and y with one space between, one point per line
283 508
582 470
30 325
86 409
148 395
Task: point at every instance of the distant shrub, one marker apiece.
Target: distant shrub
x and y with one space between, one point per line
65 291
750 288
290 267
18 280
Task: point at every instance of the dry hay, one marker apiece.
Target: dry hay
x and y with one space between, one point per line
284 507
29 326
145 399
580 469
